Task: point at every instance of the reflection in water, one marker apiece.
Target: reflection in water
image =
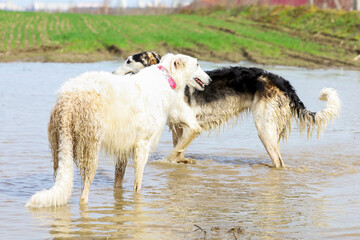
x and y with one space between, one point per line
263 201
57 220
230 187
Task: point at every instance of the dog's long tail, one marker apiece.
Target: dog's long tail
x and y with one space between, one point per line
307 120
62 148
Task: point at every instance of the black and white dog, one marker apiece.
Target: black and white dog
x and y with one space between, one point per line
237 90
135 63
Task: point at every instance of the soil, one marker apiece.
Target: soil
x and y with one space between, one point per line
54 54
288 57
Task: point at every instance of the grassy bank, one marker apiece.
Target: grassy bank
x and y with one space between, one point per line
289 36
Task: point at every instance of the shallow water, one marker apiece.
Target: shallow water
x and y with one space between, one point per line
231 192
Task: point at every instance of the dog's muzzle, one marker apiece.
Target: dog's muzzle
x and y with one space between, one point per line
198 81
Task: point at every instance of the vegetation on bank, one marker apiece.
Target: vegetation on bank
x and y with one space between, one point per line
301 36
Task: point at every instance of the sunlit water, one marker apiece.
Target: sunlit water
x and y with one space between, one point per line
229 193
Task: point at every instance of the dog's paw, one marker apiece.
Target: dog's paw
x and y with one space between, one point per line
186 161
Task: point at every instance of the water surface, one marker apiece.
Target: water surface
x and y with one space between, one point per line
230 192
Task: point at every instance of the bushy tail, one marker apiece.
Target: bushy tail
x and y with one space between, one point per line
60 193
307 120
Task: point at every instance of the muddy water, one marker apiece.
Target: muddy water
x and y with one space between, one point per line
229 193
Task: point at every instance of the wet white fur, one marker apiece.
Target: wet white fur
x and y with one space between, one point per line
124 115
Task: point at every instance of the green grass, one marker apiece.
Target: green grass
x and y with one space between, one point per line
342 24
224 32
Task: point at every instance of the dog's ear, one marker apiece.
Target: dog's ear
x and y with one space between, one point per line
157 57
179 63
153 58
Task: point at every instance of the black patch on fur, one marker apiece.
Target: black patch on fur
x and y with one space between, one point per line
187 95
232 81
144 58
140 58
288 89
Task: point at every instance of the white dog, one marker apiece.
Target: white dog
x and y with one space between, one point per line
123 115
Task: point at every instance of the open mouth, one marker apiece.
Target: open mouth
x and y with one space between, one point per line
198 81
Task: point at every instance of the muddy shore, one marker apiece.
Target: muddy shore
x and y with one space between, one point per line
292 59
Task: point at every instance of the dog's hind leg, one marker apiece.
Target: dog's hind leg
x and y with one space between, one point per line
120 168
88 178
268 130
271 145
88 170
141 155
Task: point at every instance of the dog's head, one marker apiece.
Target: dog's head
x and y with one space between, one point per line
135 63
185 70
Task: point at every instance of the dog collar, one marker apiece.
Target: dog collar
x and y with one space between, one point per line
167 74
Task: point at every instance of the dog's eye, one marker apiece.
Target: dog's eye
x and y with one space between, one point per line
128 61
197 64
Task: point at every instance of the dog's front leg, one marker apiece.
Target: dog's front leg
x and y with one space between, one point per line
189 134
177 133
186 130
